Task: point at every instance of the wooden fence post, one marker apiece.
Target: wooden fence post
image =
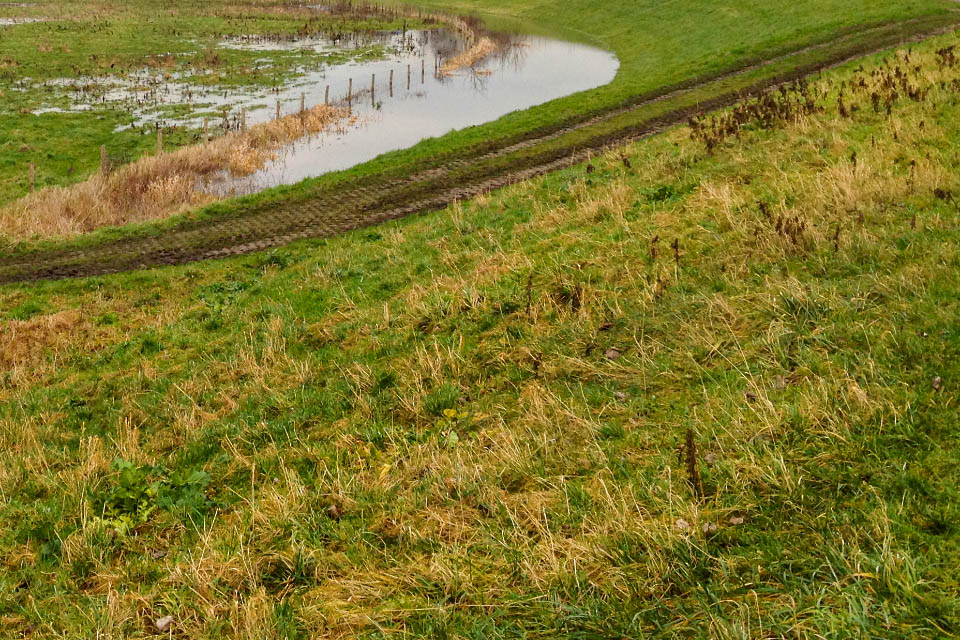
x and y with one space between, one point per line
33 176
103 158
159 141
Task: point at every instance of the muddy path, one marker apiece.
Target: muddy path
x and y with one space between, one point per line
399 191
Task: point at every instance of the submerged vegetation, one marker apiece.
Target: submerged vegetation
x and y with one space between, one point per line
704 385
481 49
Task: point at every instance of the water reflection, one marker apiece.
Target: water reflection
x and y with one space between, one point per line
523 72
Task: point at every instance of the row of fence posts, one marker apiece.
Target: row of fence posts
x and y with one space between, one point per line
105 160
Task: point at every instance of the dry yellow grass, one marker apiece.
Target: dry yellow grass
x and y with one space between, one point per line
159 186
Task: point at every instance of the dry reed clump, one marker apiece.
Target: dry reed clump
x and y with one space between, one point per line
158 186
483 48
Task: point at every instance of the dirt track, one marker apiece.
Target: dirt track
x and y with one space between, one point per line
460 174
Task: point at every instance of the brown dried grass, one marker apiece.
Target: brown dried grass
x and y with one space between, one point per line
22 342
159 186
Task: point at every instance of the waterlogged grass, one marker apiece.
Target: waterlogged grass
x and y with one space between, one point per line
439 153
81 40
481 423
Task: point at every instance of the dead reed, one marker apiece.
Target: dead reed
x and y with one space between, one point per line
483 48
161 185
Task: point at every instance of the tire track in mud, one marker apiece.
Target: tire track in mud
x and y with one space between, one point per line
463 173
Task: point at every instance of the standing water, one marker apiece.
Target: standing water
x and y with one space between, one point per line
521 73
427 97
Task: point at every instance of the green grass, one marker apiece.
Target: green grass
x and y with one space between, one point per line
439 153
661 42
472 424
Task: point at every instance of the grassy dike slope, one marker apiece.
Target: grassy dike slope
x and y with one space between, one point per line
474 423
659 42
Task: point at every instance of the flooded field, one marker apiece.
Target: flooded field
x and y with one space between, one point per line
228 113
422 103
399 88
159 97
